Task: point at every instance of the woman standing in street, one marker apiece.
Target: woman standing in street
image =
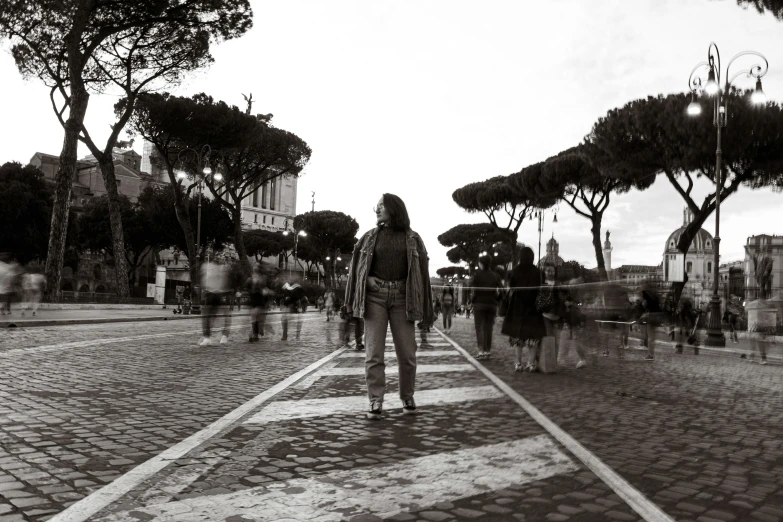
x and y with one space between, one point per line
389 284
524 324
486 289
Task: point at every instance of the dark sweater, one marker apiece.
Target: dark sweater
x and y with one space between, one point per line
486 279
390 260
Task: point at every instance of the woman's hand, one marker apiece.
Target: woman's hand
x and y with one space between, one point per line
372 284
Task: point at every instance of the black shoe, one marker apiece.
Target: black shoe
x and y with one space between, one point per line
359 347
376 410
409 407
284 339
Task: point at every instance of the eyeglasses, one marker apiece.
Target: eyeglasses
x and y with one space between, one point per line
378 208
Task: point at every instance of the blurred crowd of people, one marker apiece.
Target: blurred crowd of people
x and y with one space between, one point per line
19 285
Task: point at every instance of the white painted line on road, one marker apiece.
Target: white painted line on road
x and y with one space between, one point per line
392 370
109 340
91 504
383 491
633 497
173 484
392 355
287 410
310 379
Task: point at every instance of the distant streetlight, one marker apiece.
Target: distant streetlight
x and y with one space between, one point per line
712 88
300 233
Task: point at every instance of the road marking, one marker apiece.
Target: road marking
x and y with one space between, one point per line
633 497
392 370
383 491
94 502
107 340
173 484
287 410
393 355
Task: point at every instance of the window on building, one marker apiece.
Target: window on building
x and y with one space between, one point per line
273 220
263 195
255 198
272 194
264 219
255 218
689 267
709 268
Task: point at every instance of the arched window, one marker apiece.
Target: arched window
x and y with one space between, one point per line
100 290
84 288
689 267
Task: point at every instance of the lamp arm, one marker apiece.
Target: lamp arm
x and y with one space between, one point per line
756 71
694 81
713 60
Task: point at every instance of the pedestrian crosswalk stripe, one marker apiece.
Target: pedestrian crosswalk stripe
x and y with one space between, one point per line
287 410
392 355
392 370
382 491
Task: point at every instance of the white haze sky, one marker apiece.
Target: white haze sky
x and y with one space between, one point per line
419 98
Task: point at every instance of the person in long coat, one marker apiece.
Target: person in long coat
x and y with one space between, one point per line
524 324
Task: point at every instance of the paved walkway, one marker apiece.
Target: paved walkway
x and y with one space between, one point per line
122 423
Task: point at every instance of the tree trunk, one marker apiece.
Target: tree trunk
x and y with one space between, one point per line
182 211
239 242
62 195
599 253
106 164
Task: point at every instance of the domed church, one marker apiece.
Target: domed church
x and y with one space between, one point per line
700 257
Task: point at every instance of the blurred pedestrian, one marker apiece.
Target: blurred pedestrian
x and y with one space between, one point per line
653 318
330 303
320 303
259 287
523 323
5 284
32 289
447 307
487 289
389 284
215 284
358 328
291 303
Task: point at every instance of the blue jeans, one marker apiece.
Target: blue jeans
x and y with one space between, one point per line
381 309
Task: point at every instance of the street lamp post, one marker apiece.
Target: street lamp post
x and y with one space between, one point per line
202 173
296 243
712 88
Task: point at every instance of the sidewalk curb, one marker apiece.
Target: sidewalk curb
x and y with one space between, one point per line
69 322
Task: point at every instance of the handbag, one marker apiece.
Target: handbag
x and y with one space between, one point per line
544 299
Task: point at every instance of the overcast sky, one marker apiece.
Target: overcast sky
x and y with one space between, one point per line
419 98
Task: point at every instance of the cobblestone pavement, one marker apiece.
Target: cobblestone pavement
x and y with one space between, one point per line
700 436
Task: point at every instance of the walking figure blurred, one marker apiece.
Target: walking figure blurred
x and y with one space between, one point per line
32 289
215 283
291 303
259 287
330 304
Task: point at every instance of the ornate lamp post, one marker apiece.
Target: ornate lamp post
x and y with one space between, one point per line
301 233
203 173
712 88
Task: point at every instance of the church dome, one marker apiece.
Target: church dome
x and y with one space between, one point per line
702 241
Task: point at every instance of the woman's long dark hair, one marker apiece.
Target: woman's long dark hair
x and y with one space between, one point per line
398 214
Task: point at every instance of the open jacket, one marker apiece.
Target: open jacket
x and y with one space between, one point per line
418 293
